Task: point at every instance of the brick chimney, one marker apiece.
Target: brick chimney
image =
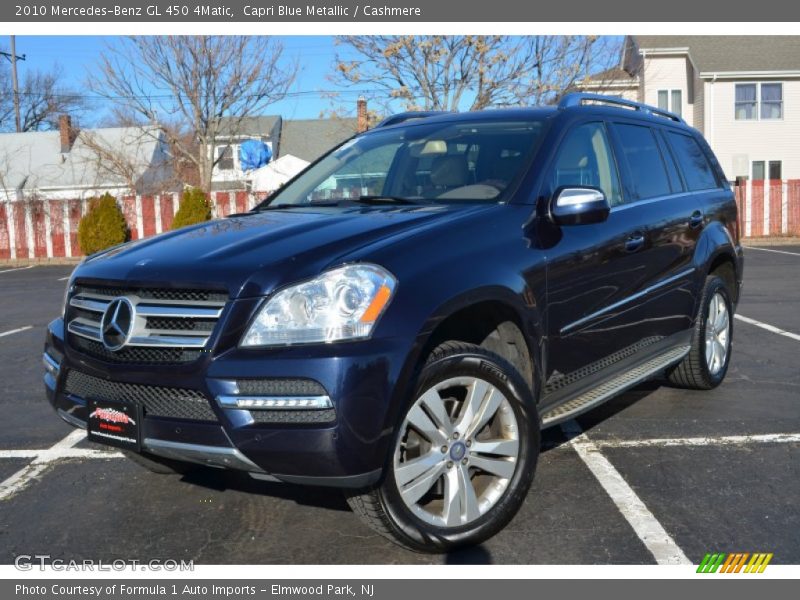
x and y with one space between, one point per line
363 122
67 133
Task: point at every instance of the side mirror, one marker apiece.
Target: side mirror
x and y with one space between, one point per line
579 206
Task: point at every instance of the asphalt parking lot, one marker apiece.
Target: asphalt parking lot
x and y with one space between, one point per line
655 475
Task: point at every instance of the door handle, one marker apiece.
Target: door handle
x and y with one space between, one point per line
697 219
634 242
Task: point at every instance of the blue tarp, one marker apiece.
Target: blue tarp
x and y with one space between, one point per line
253 154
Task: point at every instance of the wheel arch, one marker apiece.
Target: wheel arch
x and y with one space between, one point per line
717 252
494 317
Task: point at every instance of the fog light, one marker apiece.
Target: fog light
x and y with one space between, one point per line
50 364
276 402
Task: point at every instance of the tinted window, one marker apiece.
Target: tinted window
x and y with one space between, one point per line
584 159
645 164
694 164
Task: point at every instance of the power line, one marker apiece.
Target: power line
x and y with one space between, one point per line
172 96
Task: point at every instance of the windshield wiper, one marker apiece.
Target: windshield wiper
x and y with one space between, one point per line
284 205
381 199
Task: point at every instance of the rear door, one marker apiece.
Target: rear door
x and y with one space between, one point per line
669 219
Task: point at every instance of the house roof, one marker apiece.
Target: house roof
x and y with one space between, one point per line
731 53
614 74
33 160
260 126
311 138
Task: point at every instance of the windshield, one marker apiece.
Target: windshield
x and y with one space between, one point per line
419 163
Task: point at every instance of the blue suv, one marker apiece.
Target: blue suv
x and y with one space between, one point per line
402 319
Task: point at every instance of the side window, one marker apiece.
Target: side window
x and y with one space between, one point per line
694 164
645 164
584 159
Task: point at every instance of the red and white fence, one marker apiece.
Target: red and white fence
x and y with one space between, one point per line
49 228
769 208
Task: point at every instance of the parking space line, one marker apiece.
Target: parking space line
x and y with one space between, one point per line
725 440
26 475
63 278
18 269
768 327
13 331
644 524
59 454
771 250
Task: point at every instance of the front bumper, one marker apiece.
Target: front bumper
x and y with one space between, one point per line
345 447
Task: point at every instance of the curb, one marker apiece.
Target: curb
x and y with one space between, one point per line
771 241
39 262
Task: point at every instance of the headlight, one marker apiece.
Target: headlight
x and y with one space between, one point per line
341 304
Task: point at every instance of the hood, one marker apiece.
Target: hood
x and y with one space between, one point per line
251 254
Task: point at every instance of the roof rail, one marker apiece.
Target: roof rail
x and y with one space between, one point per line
409 116
579 98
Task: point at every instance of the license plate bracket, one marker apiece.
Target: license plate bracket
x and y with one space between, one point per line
115 423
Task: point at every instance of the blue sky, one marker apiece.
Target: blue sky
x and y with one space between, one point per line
77 55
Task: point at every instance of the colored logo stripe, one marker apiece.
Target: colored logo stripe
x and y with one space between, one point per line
735 563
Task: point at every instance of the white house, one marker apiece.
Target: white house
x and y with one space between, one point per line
73 164
741 92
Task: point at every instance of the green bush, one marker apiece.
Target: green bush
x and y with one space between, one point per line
103 226
194 208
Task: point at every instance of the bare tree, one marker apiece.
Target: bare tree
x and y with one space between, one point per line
474 72
42 98
178 140
196 81
122 163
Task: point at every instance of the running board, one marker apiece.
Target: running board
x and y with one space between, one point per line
612 387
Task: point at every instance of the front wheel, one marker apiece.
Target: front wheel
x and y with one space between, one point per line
464 455
706 364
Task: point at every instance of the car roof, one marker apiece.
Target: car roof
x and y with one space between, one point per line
535 113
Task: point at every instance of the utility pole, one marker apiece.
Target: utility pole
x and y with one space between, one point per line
12 56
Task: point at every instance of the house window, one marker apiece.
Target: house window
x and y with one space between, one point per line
746 103
677 102
750 95
762 169
225 158
771 100
671 100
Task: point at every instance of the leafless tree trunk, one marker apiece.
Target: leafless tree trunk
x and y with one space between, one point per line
474 72
194 81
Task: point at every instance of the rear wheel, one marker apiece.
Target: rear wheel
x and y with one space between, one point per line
706 364
464 455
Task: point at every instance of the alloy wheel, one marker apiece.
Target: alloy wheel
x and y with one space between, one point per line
457 452
717 334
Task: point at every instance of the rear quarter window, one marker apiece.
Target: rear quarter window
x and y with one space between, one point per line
697 171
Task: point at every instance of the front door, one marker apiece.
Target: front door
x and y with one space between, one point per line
592 269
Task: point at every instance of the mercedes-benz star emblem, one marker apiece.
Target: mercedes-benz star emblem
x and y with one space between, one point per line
117 323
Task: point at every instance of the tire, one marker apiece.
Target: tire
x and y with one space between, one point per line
695 372
160 465
513 426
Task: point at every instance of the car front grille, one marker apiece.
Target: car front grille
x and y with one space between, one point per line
168 326
157 401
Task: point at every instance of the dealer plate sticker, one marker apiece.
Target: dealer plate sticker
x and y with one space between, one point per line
115 424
